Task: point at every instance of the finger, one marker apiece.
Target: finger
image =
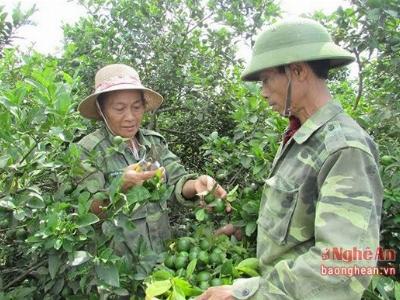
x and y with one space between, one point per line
210 183
228 229
146 175
202 203
238 234
228 207
220 192
134 167
203 296
209 208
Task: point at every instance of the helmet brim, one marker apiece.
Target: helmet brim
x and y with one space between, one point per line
301 53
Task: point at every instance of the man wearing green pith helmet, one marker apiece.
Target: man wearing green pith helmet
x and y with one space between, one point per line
323 191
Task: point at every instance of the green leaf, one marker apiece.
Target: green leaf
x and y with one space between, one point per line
121 292
54 265
87 220
35 202
79 257
190 268
6 202
248 271
57 244
250 228
114 188
227 268
251 263
200 214
158 288
397 290
161 275
108 273
4 161
93 186
138 194
19 214
231 196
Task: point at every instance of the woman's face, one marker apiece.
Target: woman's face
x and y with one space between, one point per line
124 112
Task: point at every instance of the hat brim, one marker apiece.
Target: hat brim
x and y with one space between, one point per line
88 108
337 56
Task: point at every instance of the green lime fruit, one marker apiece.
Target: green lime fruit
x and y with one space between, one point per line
170 261
118 140
21 234
183 244
181 262
183 253
203 276
209 198
203 285
204 245
387 159
195 249
10 233
193 255
215 259
218 251
216 282
203 257
218 206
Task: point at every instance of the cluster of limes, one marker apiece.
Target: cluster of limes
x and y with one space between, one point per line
208 261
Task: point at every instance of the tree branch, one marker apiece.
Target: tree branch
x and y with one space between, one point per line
360 79
177 132
25 274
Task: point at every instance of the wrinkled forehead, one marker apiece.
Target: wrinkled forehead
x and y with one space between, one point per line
122 96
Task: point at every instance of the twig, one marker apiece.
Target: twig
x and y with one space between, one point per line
29 152
360 79
23 275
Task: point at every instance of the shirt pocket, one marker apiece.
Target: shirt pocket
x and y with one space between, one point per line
277 208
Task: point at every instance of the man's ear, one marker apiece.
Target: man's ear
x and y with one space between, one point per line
300 71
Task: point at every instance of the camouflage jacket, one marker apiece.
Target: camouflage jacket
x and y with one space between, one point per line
151 220
324 192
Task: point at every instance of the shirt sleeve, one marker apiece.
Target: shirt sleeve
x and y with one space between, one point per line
176 175
93 178
347 216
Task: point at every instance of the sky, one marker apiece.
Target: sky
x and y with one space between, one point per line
46 36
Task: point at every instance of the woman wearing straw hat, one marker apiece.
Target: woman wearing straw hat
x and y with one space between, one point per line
119 102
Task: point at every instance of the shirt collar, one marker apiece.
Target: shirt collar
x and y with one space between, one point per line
317 120
139 135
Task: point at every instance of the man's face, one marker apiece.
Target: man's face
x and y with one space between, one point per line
124 112
274 88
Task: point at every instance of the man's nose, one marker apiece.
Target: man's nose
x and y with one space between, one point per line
264 92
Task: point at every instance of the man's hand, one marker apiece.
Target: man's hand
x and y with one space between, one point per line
223 292
205 183
229 230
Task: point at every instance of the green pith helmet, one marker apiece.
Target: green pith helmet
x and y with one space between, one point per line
290 41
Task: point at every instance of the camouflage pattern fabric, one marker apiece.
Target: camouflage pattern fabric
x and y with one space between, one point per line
323 191
150 220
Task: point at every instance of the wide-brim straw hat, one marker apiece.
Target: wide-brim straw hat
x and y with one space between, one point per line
117 77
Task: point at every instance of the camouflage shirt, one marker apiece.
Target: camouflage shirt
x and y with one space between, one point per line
151 220
324 192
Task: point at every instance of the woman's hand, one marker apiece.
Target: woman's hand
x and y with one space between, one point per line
223 292
133 176
202 185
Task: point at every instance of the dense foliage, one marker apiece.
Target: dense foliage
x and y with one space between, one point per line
52 247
